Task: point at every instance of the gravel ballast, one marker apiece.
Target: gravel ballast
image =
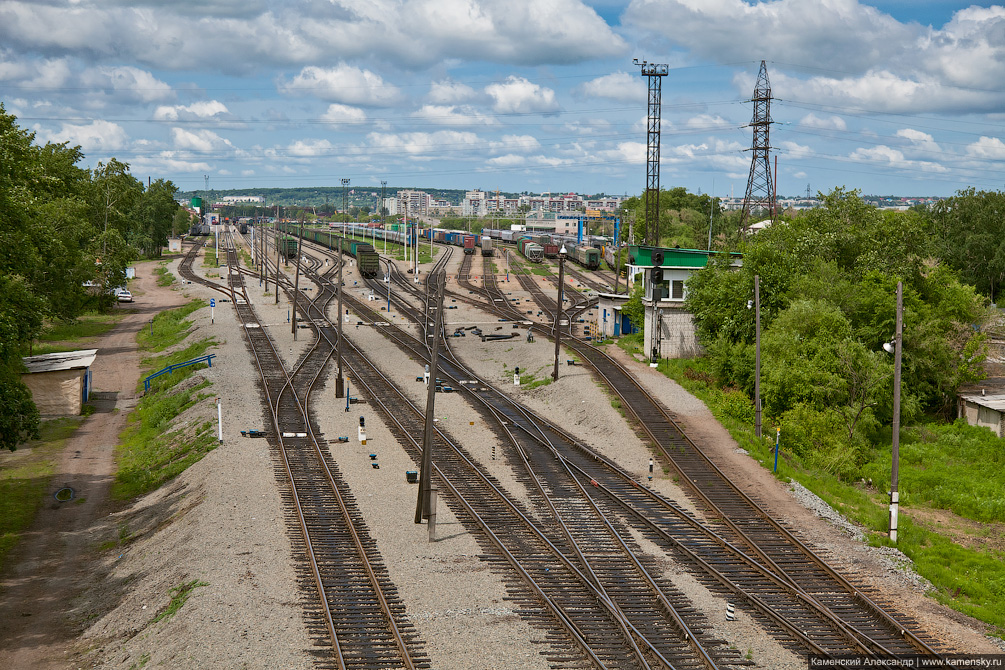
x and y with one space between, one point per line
222 520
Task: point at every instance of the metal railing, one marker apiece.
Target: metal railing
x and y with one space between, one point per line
208 359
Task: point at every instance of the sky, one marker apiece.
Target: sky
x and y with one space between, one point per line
902 97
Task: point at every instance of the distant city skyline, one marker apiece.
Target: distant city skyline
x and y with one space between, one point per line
889 97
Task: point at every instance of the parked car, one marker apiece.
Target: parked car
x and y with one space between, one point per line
123 295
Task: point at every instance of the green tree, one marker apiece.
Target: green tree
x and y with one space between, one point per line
153 217
969 229
114 196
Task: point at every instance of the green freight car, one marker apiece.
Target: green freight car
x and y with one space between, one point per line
289 246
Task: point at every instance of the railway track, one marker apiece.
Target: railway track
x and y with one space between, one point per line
355 614
608 602
770 573
857 620
808 624
747 525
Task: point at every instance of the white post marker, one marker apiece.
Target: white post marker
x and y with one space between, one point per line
219 419
212 310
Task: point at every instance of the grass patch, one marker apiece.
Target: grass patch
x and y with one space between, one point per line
72 336
209 259
169 327
164 278
179 596
150 452
952 521
24 479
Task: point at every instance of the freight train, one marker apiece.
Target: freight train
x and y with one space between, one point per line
461 239
547 246
367 260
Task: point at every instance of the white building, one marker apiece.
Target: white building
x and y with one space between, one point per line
414 203
237 199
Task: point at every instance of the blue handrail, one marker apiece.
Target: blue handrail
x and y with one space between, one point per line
208 358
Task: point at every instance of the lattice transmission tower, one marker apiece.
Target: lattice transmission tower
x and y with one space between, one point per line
760 194
655 72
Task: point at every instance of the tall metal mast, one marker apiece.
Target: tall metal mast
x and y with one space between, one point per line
655 72
760 194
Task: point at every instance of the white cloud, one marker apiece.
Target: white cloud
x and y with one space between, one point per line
199 140
452 115
343 114
512 143
706 122
990 148
241 37
203 109
889 65
128 83
790 31
343 83
448 92
795 151
635 153
509 160
919 141
889 157
423 144
617 86
94 136
519 96
309 148
830 123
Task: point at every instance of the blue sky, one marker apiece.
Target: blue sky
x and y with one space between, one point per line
899 97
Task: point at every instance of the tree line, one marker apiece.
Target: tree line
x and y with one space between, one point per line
828 281
67 235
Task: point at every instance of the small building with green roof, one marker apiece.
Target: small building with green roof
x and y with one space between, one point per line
669 329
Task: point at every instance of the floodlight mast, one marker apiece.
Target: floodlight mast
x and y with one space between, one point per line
655 72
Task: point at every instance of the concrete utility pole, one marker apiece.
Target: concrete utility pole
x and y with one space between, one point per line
757 356
558 310
296 281
277 263
340 380
895 465
423 505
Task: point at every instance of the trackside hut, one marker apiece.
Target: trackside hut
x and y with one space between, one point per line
59 383
669 329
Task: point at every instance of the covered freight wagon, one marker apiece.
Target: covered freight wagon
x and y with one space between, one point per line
486 244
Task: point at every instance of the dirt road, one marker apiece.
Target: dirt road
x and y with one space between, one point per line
50 565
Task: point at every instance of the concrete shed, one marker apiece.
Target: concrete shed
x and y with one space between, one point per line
609 319
983 410
60 383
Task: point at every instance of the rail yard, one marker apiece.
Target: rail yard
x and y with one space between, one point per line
577 524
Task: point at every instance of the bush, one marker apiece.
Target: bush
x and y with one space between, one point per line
820 440
736 404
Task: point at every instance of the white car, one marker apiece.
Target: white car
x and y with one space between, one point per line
123 295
